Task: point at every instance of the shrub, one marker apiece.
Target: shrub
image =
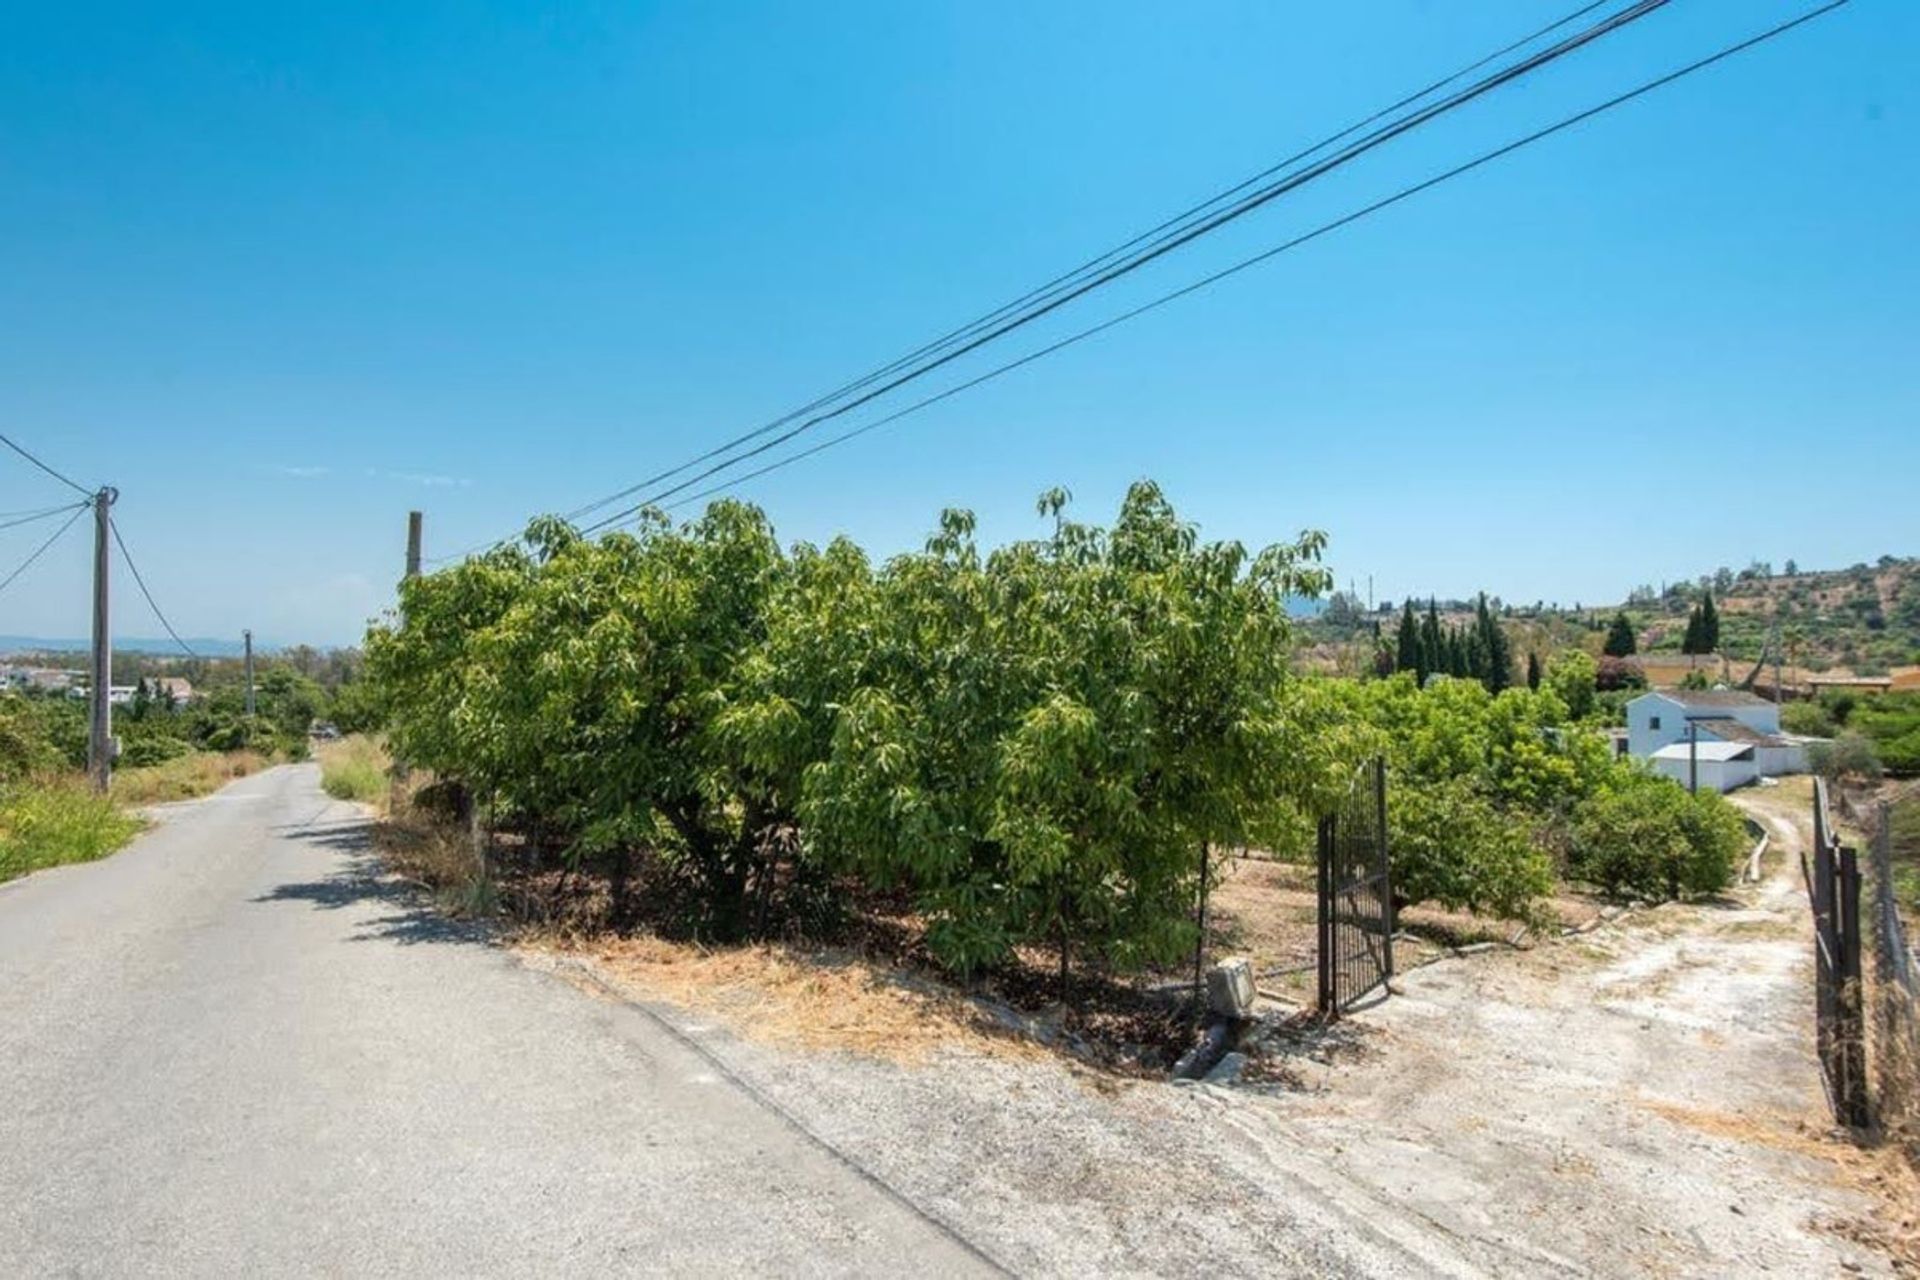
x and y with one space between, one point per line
26 745
1645 836
1850 755
1612 674
1809 718
1450 845
152 749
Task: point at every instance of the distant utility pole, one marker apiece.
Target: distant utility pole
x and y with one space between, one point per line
413 544
100 726
1693 758
247 637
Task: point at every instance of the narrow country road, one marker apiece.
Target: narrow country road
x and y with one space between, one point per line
231 1050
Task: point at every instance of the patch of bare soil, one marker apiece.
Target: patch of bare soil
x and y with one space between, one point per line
1264 909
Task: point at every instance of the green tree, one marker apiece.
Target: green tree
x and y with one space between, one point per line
1433 642
1573 676
1621 642
1533 670
1409 654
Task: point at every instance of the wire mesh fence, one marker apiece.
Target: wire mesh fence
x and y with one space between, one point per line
1893 992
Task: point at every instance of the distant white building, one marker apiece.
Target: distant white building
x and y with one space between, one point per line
1661 720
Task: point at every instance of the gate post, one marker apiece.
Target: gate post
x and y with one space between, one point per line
1386 871
1323 884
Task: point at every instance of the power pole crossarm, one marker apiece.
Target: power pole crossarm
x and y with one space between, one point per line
100 724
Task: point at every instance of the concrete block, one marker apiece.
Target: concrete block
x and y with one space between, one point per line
1230 989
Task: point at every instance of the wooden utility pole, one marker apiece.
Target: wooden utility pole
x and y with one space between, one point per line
399 771
100 726
413 544
1693 759
247 638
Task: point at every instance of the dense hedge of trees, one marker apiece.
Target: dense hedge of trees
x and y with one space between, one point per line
1032 745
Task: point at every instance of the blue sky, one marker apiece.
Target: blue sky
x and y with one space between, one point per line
282 272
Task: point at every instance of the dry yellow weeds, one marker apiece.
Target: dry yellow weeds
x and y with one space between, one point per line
795 998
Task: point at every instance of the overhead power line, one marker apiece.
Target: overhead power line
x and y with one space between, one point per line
1165 245
28 517
1060 282
140 582
74 485
79 508
1051 291
1323 229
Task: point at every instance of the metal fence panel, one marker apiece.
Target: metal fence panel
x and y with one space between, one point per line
1355 891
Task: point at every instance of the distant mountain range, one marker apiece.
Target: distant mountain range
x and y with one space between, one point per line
205 646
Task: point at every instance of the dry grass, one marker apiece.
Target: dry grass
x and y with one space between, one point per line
185 778
796 997
1882 1172
437 857
356 768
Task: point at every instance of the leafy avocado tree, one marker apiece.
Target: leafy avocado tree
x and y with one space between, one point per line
1045 740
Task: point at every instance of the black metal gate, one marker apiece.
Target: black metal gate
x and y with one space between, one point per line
1356 894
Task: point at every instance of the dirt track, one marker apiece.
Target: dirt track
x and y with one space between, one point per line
1642 1100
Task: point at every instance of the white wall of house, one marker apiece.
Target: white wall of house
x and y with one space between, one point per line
1658 719
1774 761
1719 775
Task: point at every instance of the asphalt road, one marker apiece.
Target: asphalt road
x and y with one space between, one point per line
231 1049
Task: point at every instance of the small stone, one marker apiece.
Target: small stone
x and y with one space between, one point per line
1228 1069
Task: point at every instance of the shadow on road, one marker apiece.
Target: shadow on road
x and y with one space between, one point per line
359 878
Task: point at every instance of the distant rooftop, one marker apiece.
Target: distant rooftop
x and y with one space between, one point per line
1710 697
1728 729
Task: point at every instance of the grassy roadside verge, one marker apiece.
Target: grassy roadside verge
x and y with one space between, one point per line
184 778
52 822
355 768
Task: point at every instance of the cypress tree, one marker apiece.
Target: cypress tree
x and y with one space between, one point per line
1533 670
1433 645
1621 642
1495 668
1709 625
1407 655
1690 643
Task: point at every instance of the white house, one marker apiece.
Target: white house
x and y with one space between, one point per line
1721 766
1663 717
